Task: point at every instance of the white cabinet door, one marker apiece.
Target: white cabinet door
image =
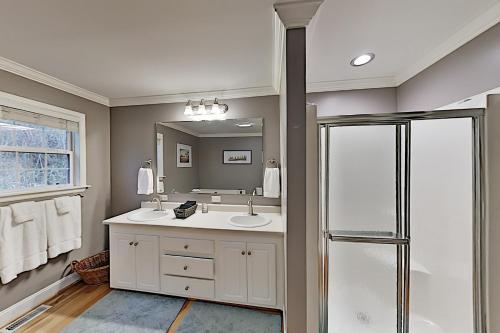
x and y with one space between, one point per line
261 267
231 271
122 261
147 262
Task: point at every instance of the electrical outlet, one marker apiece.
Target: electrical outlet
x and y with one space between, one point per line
216 199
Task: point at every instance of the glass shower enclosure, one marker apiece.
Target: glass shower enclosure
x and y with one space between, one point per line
402 223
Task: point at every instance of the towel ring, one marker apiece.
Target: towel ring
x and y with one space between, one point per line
272 163
146 164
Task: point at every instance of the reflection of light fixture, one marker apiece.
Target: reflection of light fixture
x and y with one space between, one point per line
362 59
201 108
204 111
245 125
189 109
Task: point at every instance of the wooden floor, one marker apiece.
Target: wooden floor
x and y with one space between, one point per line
73 301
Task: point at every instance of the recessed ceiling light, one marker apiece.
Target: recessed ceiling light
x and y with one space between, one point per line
245 125
362 59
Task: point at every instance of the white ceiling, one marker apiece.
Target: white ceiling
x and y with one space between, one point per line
130 50
406 37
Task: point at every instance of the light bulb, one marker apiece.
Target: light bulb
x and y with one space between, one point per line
216 109
201 108
188 111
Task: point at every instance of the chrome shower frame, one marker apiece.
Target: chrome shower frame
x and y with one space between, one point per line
401 239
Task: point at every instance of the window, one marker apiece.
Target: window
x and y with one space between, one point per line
40 148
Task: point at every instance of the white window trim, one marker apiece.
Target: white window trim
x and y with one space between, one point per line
26 104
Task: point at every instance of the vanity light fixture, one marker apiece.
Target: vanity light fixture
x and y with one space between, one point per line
362 59
204 111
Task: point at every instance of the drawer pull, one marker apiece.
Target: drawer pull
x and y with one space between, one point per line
131 243
249 253
186 267
186 247
242 253
136 243
187 288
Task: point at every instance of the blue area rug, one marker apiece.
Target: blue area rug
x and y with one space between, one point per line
128 312
204 317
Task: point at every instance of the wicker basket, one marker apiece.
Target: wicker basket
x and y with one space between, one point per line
185 213
93 270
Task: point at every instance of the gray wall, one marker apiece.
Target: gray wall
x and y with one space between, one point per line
133 141
95 204
493 212
180 179
472 69
364 101
215 174
296 286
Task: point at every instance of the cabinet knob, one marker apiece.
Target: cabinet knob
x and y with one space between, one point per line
249 253
186 247
136 243
186 267
187 288
242 253
131 243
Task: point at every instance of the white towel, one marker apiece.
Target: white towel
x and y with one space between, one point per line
22 211
23 247
63 205
64 232
145 181
272 183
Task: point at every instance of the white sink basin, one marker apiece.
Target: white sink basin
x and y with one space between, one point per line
248 221
147 215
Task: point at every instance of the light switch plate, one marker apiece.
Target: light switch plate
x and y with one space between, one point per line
216 199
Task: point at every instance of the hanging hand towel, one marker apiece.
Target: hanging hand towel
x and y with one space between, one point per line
63 205
64 232
23 246
272 183
22 211
145 181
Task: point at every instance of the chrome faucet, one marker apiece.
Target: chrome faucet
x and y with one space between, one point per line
250 205
158 201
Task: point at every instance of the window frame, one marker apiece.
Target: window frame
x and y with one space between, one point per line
77 184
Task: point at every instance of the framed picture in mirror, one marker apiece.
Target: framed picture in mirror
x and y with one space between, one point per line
184 156
237 157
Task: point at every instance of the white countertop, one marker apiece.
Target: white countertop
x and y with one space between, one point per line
217 218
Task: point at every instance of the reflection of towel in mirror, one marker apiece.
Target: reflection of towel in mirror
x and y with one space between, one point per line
272 183
145 181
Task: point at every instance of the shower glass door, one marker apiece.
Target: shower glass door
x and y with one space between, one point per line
370 282
365 187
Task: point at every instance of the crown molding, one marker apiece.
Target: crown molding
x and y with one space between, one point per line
479 25
297 14
369 83
34 75
184 97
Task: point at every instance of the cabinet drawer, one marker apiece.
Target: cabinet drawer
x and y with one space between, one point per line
187 266
187 247
187 287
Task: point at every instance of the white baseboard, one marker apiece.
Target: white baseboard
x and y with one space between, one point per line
32 301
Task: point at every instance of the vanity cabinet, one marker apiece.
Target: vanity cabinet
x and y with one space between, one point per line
228 266
246 272
135 261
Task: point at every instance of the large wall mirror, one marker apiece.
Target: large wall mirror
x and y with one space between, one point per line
211 157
